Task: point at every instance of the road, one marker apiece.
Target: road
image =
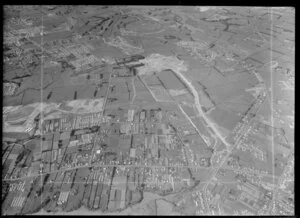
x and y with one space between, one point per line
238 141
212 125
198 106
243 130
184 113
126 165
134 91
190 120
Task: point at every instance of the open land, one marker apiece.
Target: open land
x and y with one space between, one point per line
148 110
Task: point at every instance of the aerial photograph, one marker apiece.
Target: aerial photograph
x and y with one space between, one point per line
148 110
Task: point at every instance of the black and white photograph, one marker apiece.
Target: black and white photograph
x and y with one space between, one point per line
155 110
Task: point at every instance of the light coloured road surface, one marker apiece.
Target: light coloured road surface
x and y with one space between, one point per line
220 166
198 106
189 119
244 129
131 165
134 91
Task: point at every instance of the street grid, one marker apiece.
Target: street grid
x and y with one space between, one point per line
217 134
139 166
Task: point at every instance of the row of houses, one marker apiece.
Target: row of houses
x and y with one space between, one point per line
18 201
